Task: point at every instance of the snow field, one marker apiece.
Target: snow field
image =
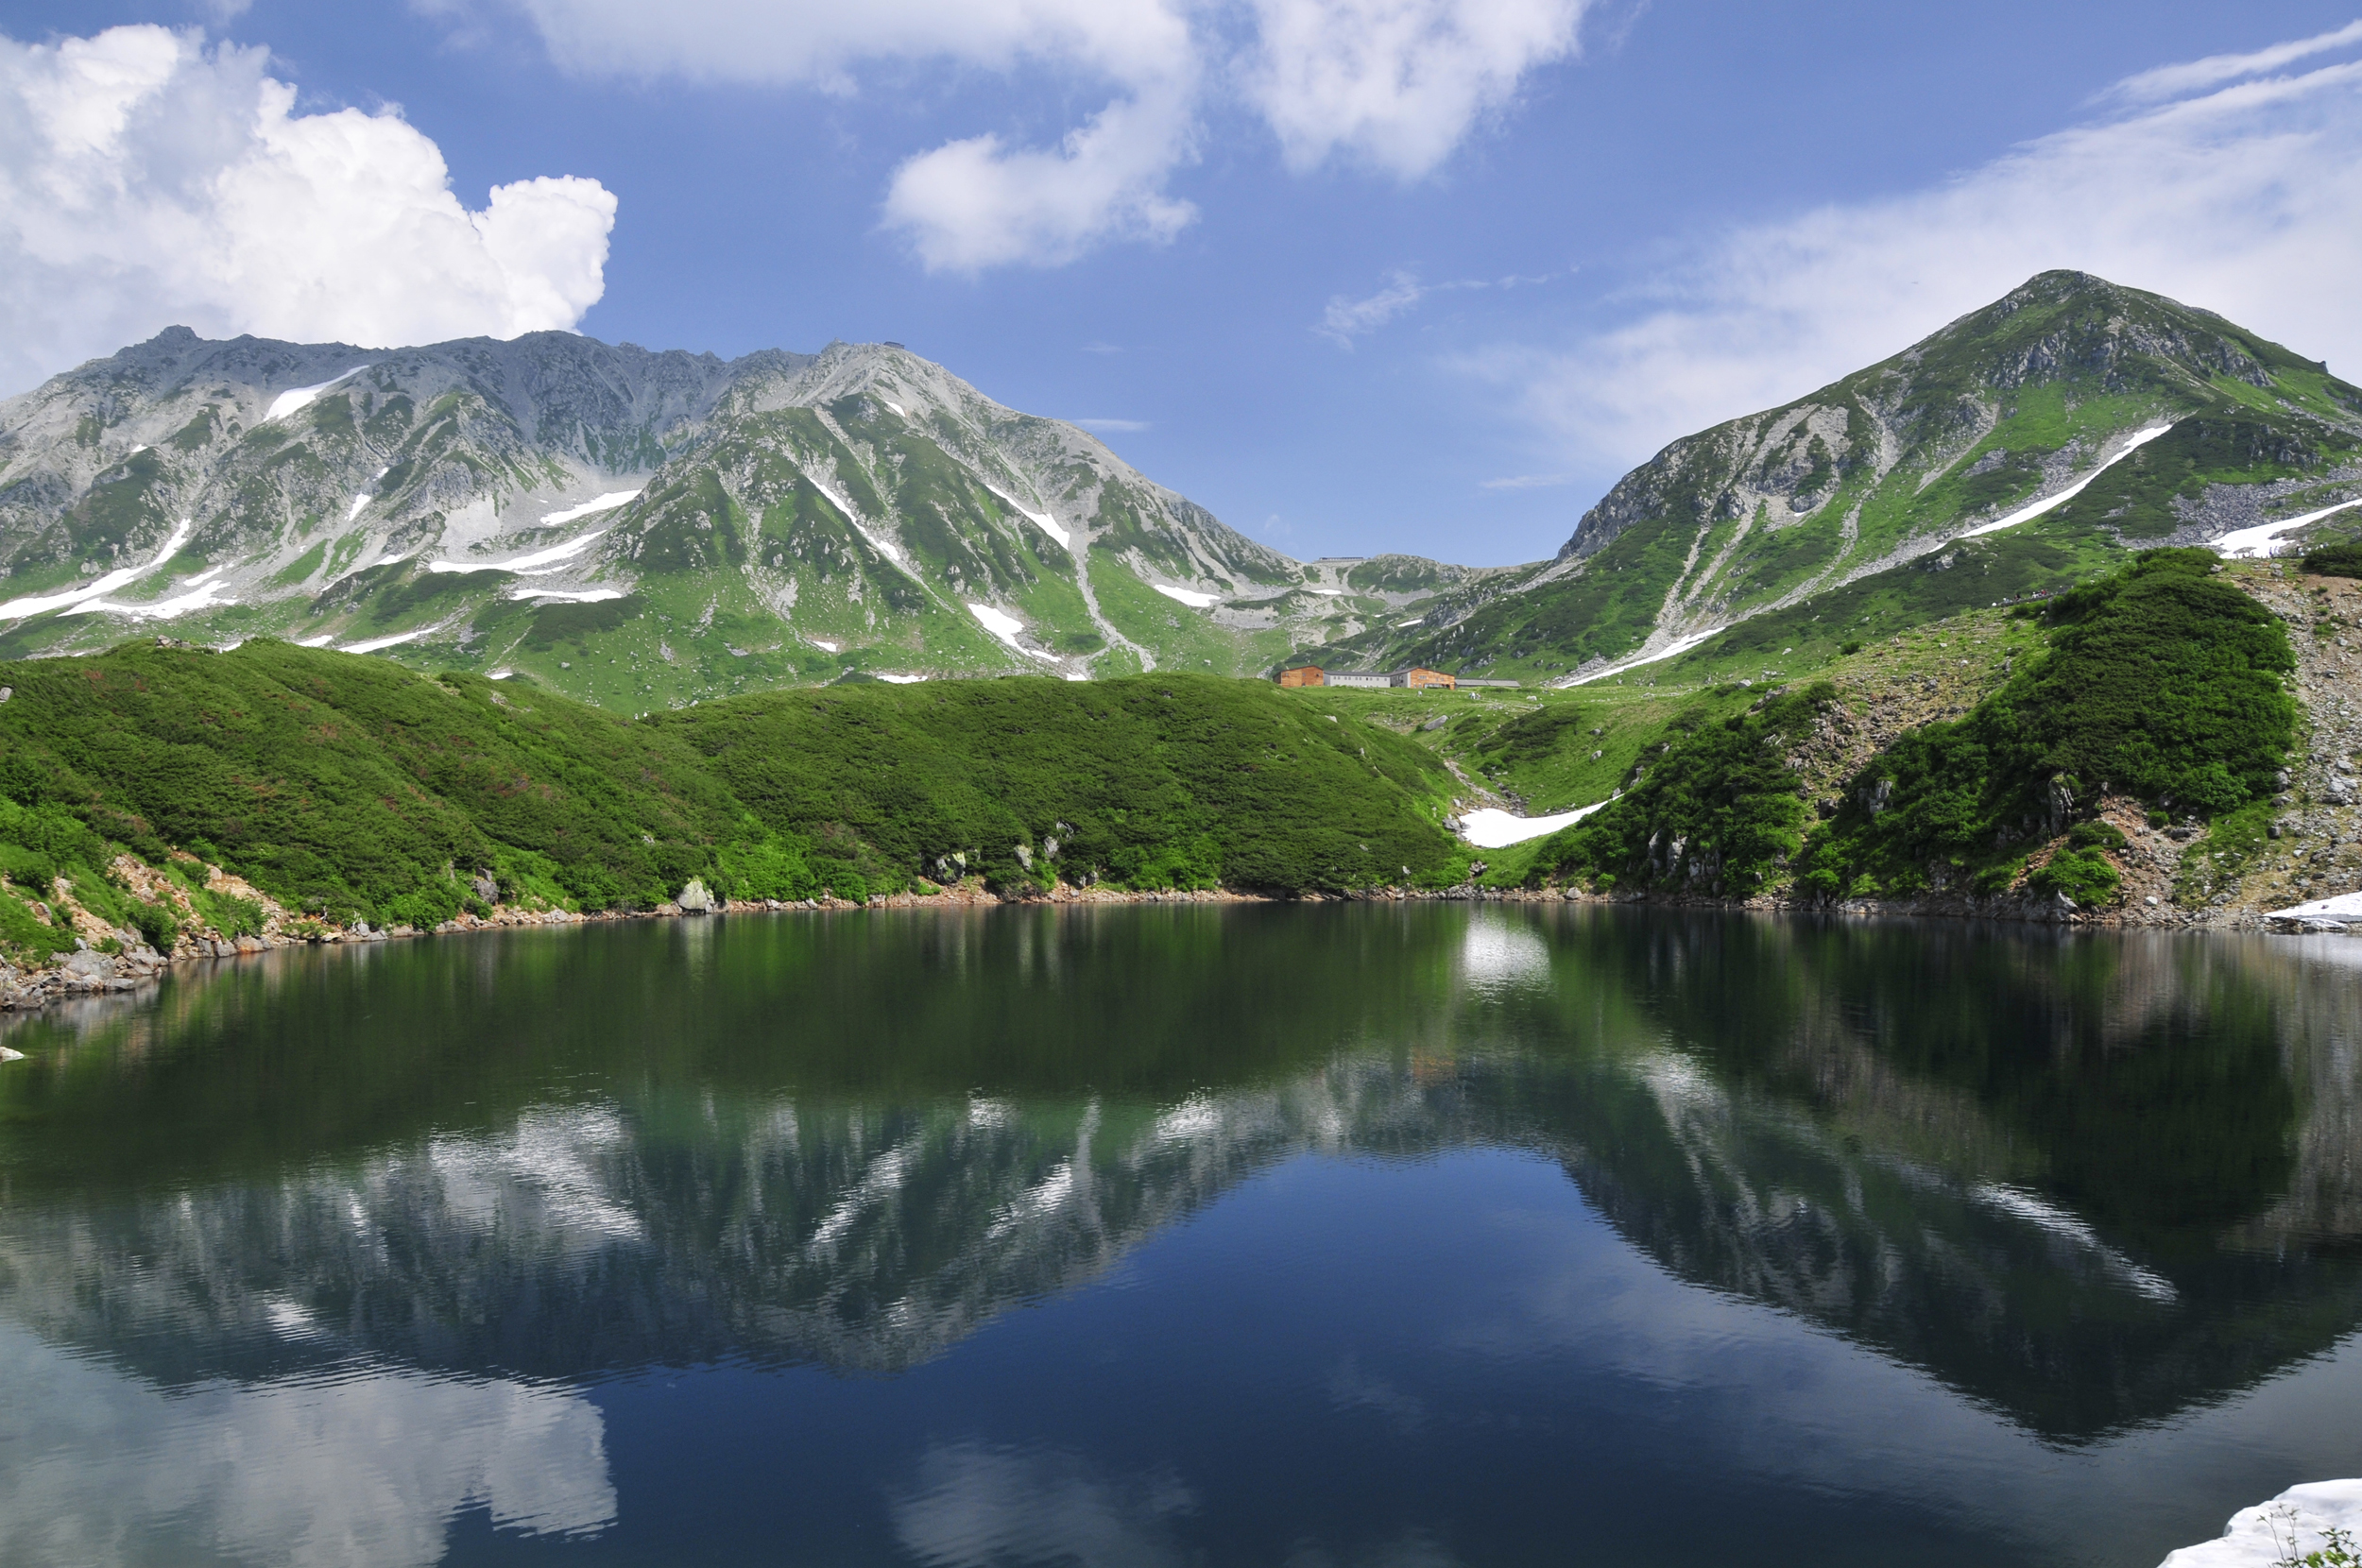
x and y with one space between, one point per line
1042 521
1191 597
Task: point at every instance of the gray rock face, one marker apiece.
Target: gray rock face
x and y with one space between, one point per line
486 889
695 899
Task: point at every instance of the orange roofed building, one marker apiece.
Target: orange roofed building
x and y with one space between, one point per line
1418 677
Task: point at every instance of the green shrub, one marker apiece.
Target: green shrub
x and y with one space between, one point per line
27 868
228 914
2094 835
157 924
768 867
2334 560
26 935
2084 875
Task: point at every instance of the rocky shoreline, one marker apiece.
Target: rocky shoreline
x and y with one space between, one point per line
106 960
119 961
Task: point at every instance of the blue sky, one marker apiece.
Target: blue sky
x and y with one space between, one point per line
1358 275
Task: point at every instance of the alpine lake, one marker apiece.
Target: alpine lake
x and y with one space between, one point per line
1289 1235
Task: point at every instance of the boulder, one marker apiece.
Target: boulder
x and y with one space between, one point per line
87 964
695 899
486 889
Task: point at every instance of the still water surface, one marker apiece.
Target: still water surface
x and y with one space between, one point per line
1262 1234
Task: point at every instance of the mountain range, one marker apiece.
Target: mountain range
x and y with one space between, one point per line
644 529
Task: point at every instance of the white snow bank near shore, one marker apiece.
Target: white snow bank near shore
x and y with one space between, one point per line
2345 906
1492 829
2300 1514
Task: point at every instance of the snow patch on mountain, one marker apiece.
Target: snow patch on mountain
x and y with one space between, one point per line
1005 626
1191 597
41 604
1042 521
2258 541
1496 830
295 399
201 592
549 558
606 502
2028 514
584 596
373 644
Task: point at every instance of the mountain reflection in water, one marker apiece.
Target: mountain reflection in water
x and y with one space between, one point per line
2087 1181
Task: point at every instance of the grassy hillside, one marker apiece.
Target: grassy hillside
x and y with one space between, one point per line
2163 684
1152 780
351 788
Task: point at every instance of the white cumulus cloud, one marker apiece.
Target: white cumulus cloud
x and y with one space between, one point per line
977 203
146 180
1397 83
2246 200
1394 85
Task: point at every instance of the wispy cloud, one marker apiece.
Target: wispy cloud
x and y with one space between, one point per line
1118 425
1346 318
2245 199
2174 81
1527 482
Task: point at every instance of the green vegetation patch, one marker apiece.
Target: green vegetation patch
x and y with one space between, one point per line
2162 682
350 787
2335 560
1158 781
1714 810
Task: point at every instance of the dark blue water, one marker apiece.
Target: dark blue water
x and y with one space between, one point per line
1203 1236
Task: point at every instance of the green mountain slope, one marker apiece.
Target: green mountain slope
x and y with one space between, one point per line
2156 422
